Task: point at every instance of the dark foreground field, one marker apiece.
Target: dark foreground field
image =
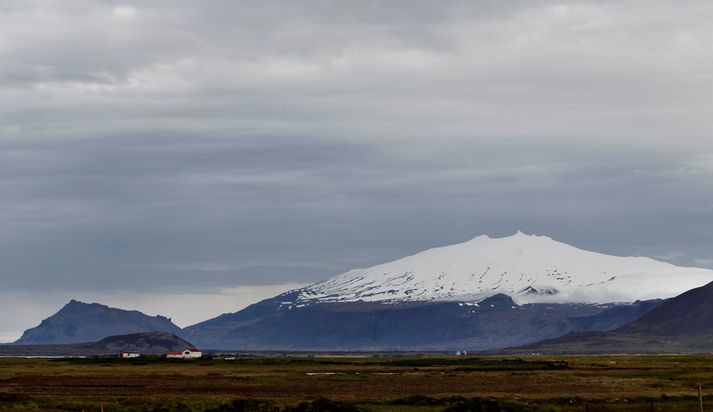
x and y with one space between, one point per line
595 384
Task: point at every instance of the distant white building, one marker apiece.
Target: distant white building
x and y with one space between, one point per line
129 355
190 353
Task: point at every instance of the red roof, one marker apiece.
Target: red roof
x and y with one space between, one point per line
174 353
193 350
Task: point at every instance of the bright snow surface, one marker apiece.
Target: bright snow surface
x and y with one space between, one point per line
528 268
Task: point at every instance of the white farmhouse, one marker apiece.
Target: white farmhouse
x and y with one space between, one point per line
190 353
126 355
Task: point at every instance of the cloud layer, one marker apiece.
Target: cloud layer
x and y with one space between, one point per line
175 147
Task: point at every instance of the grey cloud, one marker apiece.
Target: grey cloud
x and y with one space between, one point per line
230 143
382 71
214 212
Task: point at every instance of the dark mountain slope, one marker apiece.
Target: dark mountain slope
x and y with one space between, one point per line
80 322
690 313
221 328
496 322
683 324
616 316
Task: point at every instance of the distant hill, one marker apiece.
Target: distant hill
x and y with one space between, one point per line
145 343
680 324
79 322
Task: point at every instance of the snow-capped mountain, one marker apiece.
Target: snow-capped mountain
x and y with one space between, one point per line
479 295
528 268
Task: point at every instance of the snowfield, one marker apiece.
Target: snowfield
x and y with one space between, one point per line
528 268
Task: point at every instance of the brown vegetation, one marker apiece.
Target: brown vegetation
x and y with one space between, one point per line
604 383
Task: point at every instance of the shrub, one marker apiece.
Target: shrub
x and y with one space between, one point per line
324 405
243 405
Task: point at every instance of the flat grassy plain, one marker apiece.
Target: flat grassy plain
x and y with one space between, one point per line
371 383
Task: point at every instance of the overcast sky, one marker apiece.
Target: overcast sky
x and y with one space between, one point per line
190 158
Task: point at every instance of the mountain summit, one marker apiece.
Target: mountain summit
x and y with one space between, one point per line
528 268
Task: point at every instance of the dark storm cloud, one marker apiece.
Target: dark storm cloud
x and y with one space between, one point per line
217 144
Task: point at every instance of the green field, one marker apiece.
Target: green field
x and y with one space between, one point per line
308 383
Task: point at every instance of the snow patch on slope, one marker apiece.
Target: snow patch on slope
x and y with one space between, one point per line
528 268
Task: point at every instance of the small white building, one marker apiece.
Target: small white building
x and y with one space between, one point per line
190 353
126 355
